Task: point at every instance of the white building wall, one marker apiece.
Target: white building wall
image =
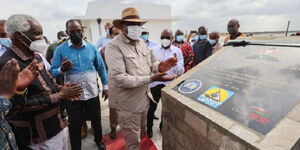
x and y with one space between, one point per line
95 31
155 28
110 9
92 30
159 17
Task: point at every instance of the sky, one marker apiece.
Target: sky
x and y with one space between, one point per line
253 15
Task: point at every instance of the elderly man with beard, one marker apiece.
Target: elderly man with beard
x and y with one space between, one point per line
35 116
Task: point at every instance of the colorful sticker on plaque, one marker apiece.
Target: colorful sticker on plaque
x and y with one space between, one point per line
259 115
190 86
215 96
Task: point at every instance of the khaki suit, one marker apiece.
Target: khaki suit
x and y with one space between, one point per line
130 66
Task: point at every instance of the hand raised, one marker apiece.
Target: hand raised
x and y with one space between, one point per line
166 65
8 78
66 65
27 75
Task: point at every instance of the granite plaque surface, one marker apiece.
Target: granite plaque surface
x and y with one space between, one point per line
253 85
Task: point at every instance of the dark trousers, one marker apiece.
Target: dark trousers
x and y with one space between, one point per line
77 112
156 93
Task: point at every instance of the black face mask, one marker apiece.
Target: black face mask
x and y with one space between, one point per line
76 38
232 30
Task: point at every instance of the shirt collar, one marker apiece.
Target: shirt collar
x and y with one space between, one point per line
71 44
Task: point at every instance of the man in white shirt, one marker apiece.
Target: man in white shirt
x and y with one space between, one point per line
103 40
163 52
2 49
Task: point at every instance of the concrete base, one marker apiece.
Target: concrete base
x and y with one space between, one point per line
189 125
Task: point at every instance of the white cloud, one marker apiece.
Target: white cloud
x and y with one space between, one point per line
254 15
52 14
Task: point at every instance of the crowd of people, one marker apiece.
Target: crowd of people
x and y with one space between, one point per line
47 88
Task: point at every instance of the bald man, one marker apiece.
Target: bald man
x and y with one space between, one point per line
68 61
233 30
163 52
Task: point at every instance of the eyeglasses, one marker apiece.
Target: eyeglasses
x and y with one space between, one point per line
169 38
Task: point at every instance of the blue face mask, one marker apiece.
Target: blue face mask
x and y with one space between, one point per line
179 38
145 37
5 41
212 42
202 37
192 43
196 37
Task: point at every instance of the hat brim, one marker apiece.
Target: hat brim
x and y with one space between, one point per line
117 23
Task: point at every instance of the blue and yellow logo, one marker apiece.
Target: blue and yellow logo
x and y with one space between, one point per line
190 86
215 96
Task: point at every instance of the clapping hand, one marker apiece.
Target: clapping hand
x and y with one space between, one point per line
27 75
8 79
70 91
161 77
66 65
166 65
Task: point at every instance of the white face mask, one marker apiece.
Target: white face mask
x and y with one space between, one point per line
134 32
39 46
165 42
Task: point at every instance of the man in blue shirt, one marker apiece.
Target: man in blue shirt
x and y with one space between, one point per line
103 40
145 37
79 62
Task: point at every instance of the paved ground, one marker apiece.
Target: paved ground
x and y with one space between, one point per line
88 143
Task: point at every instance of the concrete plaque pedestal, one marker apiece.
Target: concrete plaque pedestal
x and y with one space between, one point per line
241 98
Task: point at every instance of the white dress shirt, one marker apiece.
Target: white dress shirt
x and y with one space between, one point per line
102 42
2 50
46 63
163 54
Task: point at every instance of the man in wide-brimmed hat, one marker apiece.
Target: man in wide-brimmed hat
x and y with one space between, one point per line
131 67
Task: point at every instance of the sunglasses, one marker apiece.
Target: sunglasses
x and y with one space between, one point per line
169 38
